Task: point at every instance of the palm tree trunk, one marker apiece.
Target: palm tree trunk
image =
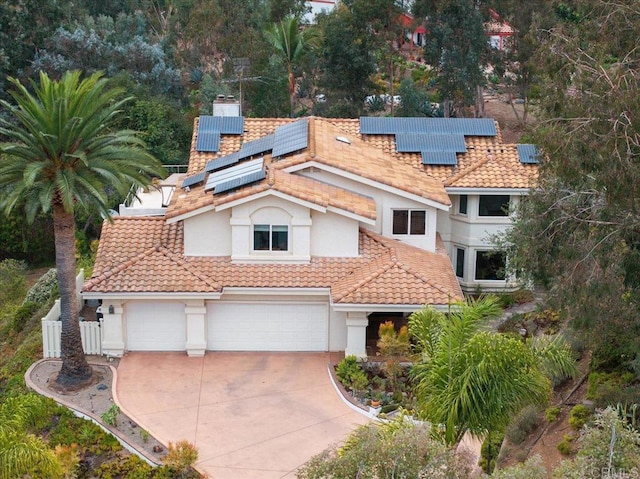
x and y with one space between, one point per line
75 370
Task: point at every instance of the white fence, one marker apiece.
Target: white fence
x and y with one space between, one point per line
52 328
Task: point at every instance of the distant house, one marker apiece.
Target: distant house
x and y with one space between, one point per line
318 6
304 234
499 32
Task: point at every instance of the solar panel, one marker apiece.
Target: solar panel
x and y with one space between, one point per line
439 158
241 181
391 126
291 137
258 146
222 162
194 179
416 142
226 125
208 140
232 173
528 154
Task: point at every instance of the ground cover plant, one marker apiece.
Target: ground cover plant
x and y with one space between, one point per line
38 438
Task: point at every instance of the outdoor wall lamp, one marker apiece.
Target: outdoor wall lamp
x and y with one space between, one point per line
111 310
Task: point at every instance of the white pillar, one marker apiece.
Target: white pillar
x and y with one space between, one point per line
195 312
357 323
112 330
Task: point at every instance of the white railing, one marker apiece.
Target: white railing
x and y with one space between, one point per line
90 331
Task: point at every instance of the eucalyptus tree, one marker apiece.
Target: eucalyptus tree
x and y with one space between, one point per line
61 155
578 233
292 43
456 47
469 380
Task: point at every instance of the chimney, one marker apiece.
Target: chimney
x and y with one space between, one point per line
226 106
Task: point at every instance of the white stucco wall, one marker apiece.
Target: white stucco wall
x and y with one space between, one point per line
472 233
333 235
208 234
273 211
385 203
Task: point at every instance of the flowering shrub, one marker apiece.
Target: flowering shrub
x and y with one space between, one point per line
44 289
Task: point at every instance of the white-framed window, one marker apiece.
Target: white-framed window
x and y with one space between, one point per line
493 205
271 238
490 265
409 222
460 254
462 204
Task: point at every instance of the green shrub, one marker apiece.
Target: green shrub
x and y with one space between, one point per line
523 424
609 389
131 467
351 374
22 314
579 416
12 281
552 413
565 447
110 417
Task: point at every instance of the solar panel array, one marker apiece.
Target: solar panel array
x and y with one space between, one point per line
528 154
256 147
222 162
439 158
392 126
211 127
240 181
291 137
222 176
193 179
420 142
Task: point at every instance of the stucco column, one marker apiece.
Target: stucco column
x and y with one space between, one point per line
357 323
196 312
112 330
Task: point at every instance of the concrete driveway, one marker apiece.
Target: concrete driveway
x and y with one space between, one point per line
251 415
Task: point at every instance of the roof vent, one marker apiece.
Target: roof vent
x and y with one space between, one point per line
343 139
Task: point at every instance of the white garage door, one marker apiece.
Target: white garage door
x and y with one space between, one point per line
267 327
155 326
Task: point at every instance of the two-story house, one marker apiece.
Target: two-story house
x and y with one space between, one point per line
302 235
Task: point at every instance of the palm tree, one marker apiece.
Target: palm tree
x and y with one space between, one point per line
470 380
292 44
62 154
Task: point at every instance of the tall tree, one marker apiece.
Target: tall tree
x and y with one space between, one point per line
474 381
456 47
578 233
61 155
291 43
347 60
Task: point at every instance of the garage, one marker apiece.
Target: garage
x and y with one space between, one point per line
267 327
155 326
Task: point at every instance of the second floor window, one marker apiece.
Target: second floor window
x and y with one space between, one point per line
409 222
494 205
270 238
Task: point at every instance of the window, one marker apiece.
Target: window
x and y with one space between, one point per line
412 222
490 265
459 262
494 205
270 238
462 205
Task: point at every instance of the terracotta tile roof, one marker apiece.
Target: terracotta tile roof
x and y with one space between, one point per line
488 163
144 255
296 186
361 159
